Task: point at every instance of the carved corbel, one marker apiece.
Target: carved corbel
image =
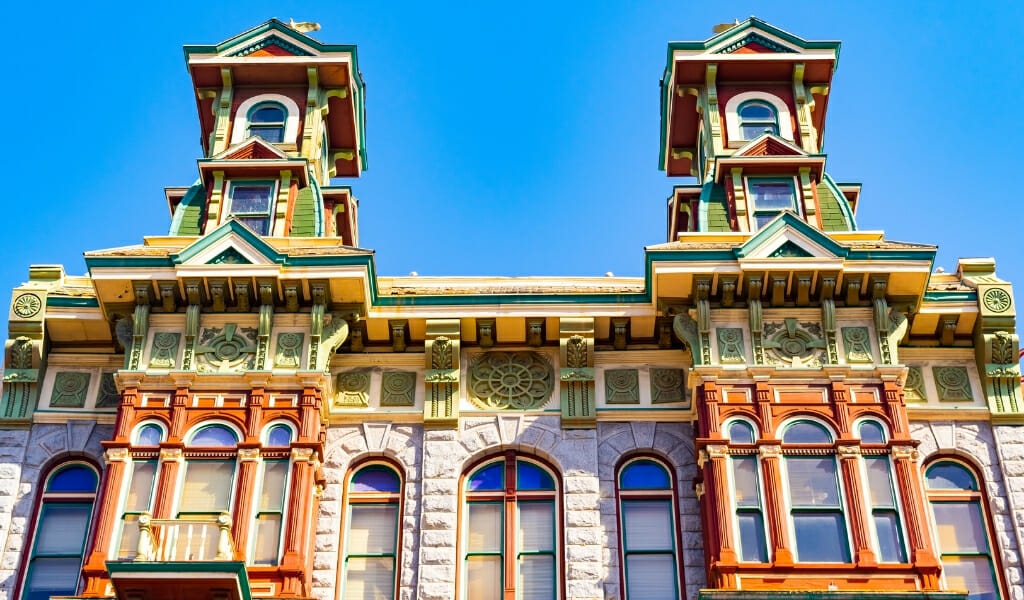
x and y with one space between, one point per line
576 350
441 408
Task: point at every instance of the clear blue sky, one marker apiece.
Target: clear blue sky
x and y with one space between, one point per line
509 139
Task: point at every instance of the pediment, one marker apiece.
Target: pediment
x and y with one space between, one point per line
788 236
230 244
769 144
251 148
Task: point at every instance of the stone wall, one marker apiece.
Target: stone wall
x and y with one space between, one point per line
25 457
1002 469
434 461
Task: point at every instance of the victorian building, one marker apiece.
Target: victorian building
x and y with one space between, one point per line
243 408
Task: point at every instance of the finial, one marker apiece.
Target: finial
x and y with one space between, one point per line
303 26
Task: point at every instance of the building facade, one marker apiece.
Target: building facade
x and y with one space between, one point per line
242 408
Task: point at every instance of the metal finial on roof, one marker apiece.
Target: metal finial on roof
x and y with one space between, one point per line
303 26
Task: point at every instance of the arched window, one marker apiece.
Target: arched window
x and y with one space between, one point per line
266 120
371 543
757 117
649 540
963 527
815 498
747 495
510 518
61 529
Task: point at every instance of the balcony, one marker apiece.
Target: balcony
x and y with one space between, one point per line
181 559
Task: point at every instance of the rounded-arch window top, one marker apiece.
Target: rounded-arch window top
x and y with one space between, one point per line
267 120
806 432
214 436
757 117
948 475
75 478
871 432
740 432
644 474
149 435
279 435
375 478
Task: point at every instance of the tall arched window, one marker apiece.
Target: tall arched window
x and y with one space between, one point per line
374 499
963 527
61 529
648 535
749 500
510 519
815 499
757 117
266 120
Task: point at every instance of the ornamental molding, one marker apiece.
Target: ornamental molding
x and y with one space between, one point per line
510 380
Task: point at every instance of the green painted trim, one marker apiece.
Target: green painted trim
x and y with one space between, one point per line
844 204
944 296
229 567
71 302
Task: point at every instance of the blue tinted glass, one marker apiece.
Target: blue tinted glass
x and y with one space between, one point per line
279 435
214 436
149 435
805 432
375 478
644 475
951 476
267 114
741 433
531 477
487 479
73 479
871 433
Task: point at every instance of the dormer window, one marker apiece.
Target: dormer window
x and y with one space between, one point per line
767 197
251 203
266 120
757 117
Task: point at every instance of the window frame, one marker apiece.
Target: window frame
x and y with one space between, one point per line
269 214
509 497
977 497
671 495
44 500
753 212
350 498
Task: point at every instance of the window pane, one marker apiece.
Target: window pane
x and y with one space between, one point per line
259 225
372 529
887 528
805 432
52 577
268 539
647 525
483 578
140 492
73 479
950 476
537 577
150 435
536 526
214 436
744 475
772 195
752 542
279 435
485 526
267 114
532 477
489 478
369 579
960 527
820 537
251 198
741 433
650 577
644 475
375 478
971 573
871 433
812 481
207 486
880 481
63 529
275 477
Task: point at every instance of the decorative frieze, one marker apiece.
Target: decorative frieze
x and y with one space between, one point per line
622 386
69 389
510 380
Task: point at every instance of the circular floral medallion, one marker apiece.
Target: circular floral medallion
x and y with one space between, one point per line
27 305
517 380
996 300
